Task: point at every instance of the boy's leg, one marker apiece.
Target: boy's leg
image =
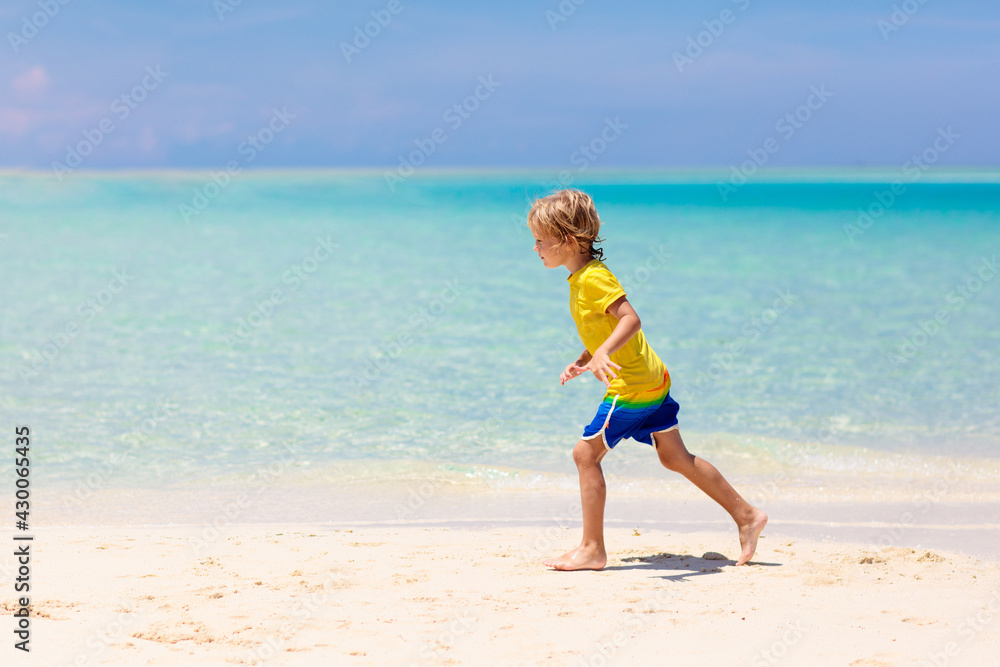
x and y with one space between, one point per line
675 456
590 555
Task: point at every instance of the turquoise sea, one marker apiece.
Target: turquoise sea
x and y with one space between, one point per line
162 329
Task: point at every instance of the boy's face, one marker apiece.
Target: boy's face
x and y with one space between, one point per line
552 253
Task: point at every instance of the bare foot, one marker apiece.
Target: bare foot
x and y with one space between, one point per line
581 558
749 532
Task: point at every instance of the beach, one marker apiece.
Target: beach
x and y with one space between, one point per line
419 595
434 570
288 378
318 425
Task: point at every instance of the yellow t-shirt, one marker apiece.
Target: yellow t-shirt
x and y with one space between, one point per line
592 289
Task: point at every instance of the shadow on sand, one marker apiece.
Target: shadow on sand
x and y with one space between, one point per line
686 565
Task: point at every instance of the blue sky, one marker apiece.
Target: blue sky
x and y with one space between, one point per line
557 84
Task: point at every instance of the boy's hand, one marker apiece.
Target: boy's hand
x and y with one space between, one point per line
571 372
602 367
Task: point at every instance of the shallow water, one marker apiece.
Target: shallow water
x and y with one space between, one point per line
240 338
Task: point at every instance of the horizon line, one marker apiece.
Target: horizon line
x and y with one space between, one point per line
666 175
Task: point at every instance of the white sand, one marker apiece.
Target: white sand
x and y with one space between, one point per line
310 595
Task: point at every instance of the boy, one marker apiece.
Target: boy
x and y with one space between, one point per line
637 403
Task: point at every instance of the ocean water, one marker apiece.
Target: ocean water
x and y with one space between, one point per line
157 330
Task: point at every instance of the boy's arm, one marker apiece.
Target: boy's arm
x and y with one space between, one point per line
628 325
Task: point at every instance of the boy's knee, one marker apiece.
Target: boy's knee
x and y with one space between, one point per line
671 460
585 453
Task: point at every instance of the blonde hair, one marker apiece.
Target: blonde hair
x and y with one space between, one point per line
568 214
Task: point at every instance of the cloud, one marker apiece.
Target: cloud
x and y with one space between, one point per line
14 121
32 83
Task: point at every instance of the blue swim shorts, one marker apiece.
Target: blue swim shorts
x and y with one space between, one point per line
637 416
